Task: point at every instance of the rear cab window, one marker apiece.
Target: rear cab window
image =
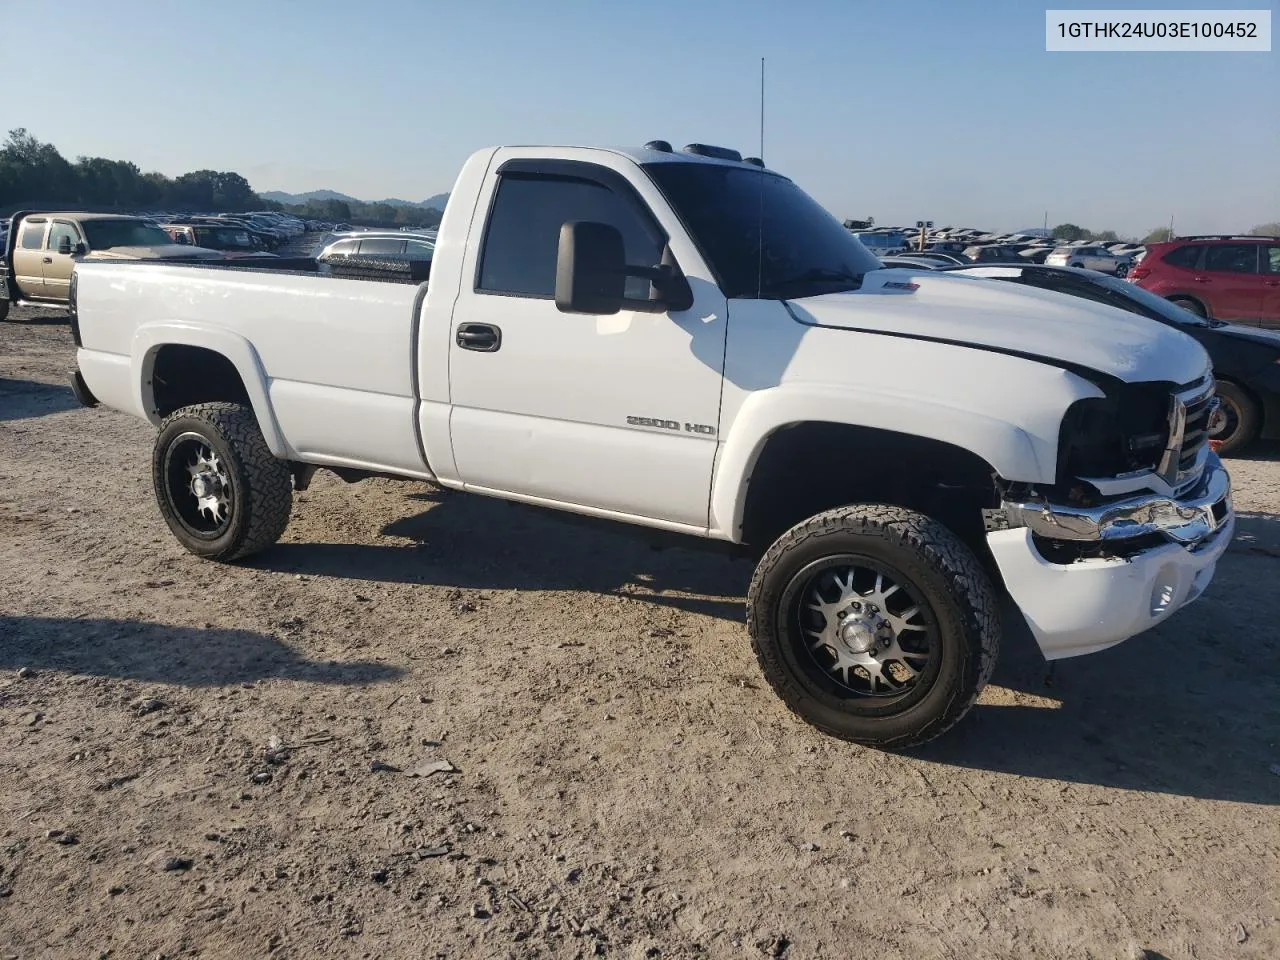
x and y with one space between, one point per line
33 234
381 247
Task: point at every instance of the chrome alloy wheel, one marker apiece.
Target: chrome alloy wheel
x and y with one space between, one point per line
198 485
866 626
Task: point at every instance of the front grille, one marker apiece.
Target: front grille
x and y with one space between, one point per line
1196 434
1190 411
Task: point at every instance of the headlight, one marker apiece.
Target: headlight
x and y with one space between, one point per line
1124 432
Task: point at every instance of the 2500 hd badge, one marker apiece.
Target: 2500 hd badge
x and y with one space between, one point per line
702 428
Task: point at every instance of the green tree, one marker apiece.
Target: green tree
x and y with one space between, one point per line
1266 230
1158 235
231 192
1069 231
34 171
1106 236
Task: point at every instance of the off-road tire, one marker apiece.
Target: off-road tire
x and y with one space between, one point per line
1248 417
941 567
261 485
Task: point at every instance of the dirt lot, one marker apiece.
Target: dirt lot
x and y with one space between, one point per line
218 761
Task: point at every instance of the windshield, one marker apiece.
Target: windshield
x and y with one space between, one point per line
223 238
761 234
1163 308
105 234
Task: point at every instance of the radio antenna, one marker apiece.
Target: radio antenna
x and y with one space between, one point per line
762 108
760 220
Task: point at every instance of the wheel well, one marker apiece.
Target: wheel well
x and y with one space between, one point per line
806 468
182 375
1190 298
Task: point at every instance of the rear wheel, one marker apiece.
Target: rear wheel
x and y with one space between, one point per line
874 624
1236 423
1186 303
219 488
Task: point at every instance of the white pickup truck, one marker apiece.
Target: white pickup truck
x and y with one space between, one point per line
685 340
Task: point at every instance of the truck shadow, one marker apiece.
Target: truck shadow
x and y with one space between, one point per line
159 653
474 542
28 399
1190 708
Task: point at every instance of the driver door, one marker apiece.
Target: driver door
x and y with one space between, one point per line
616 414
58 266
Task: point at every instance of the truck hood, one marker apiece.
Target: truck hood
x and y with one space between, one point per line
1055 328
168 251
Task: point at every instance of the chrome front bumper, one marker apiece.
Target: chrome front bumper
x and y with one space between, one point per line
1096 602
1187 520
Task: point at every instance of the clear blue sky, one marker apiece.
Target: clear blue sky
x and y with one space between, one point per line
943 109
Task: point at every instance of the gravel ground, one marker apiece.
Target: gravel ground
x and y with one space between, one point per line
432 725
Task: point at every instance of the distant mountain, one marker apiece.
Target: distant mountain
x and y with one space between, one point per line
279 196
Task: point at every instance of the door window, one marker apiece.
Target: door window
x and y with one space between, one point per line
522 237
1271 259
343 248
1232 258
62 229
33 234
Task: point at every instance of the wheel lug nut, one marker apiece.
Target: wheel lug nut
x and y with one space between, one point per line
855 606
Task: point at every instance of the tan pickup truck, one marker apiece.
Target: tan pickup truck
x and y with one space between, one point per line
43 248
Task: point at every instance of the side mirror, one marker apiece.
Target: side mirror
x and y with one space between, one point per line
64 246
182 238
592 272
590 268
79 249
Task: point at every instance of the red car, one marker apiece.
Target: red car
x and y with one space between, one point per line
1222 278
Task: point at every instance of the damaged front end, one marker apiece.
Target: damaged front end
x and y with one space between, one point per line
1133 528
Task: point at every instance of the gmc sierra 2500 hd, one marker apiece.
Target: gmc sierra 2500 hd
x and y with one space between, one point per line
686 340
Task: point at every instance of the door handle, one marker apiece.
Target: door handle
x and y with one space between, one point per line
484 337
1273 283
1200 279
48 259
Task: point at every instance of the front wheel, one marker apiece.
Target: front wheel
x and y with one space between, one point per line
219 488
875 624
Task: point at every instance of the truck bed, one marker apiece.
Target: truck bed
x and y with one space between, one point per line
335 355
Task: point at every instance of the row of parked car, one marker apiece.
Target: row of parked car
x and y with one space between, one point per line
1115 258
36 263
1222 291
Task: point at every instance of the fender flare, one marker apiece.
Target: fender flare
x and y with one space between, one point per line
149 338
1010 449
